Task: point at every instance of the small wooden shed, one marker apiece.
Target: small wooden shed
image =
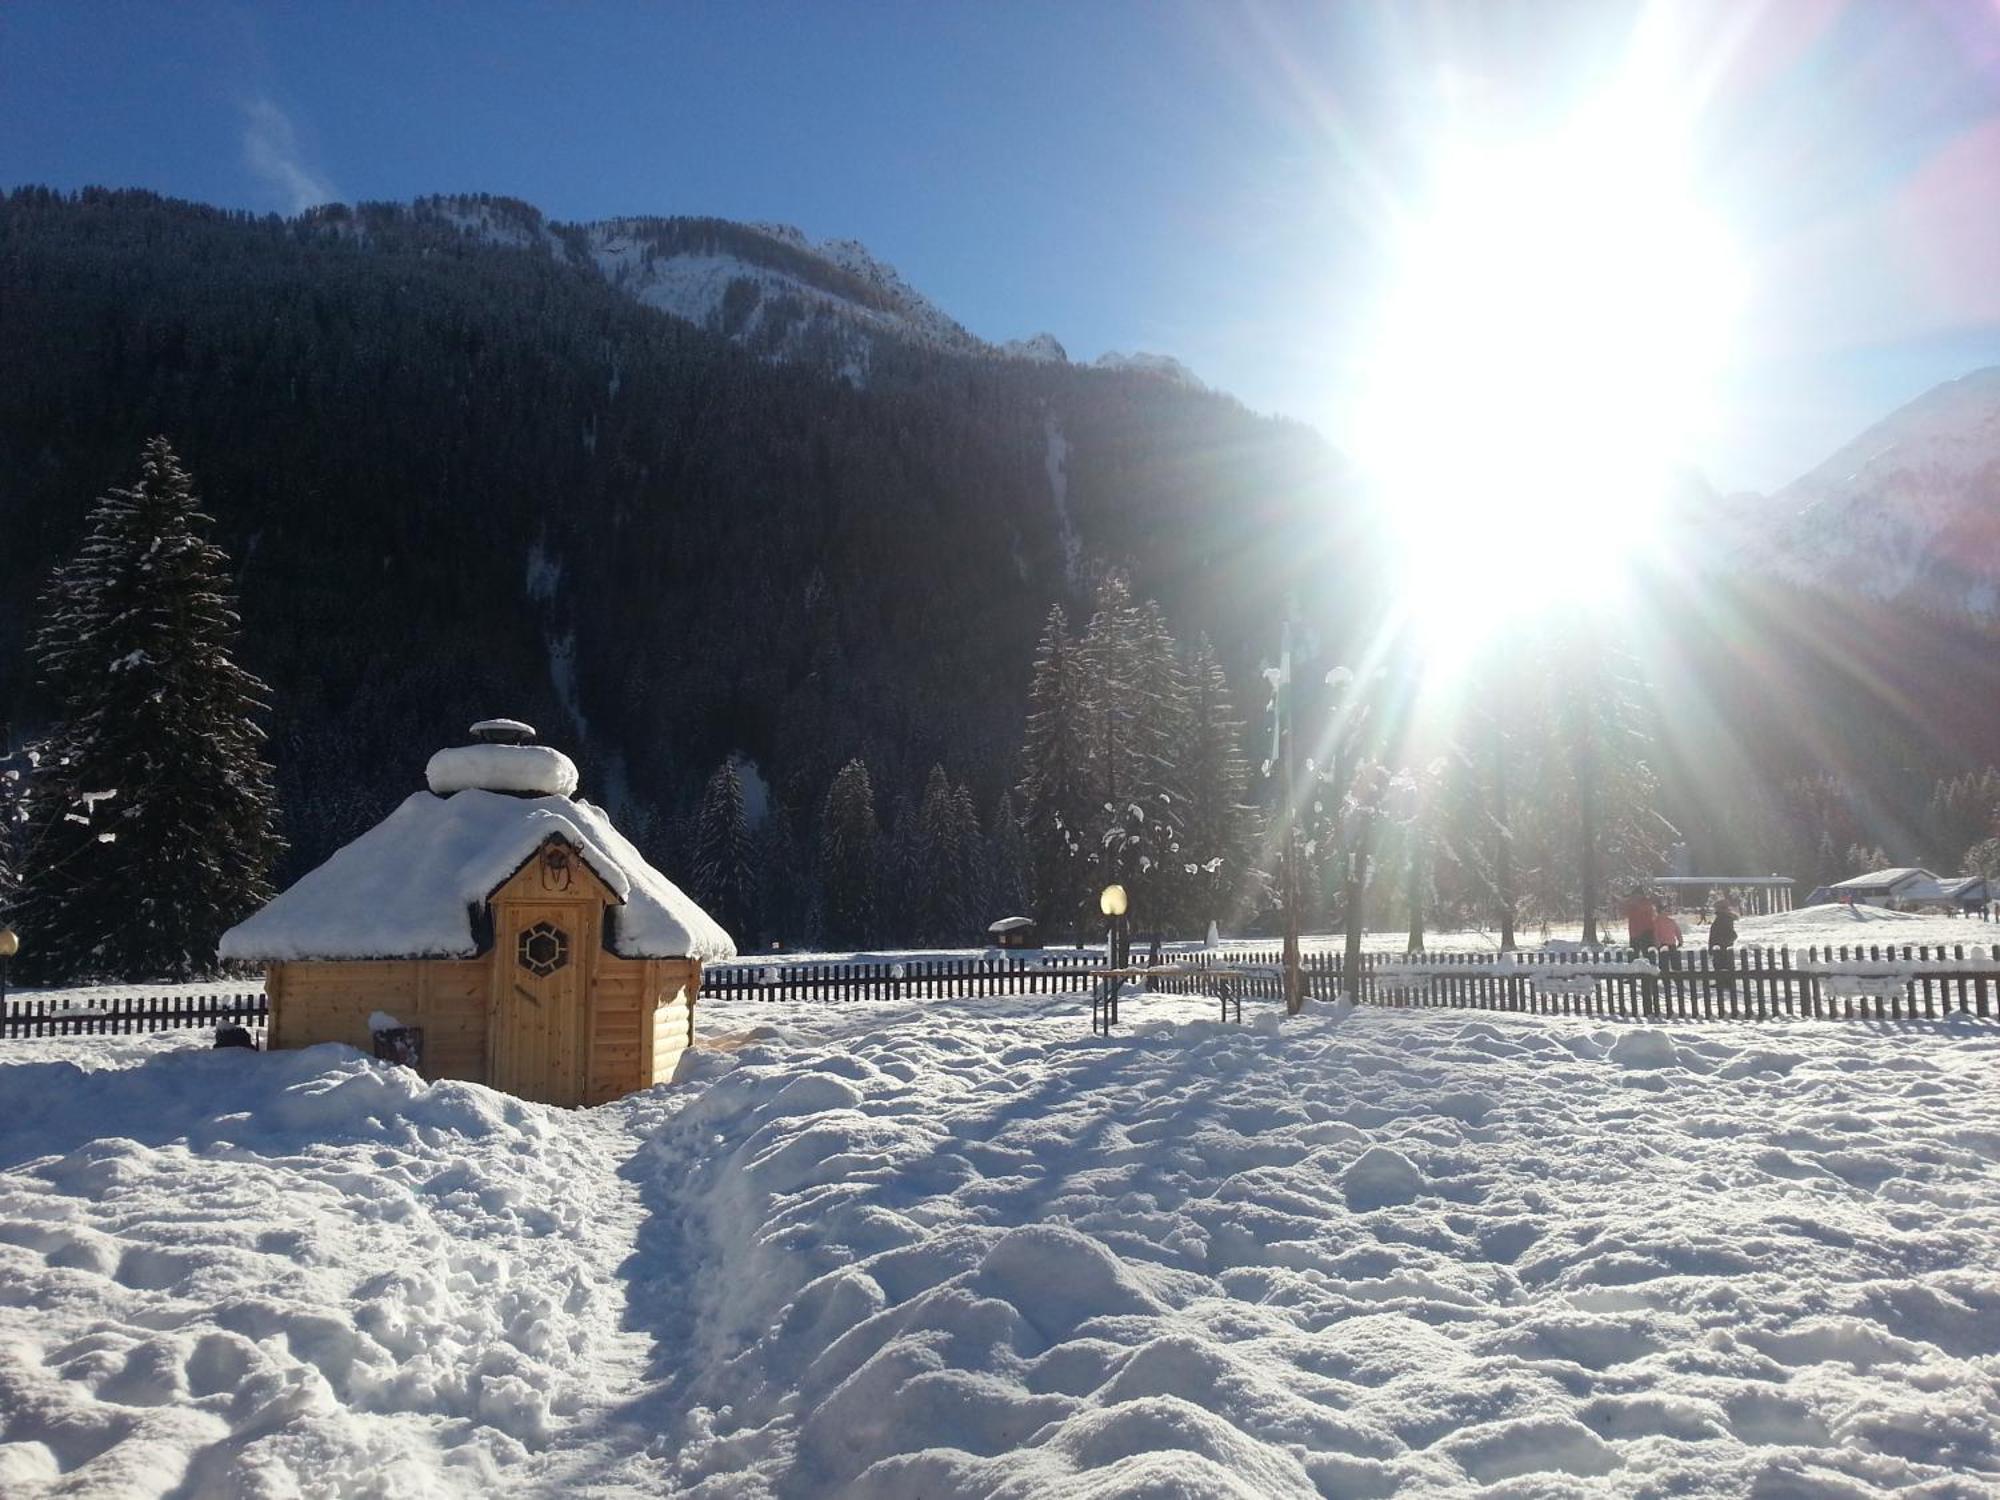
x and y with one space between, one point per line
536 949
1012 932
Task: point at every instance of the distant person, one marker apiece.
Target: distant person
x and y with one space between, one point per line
1722 931
1666 931
1640 917
1721 939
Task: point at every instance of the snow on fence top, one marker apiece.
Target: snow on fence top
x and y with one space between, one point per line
410 886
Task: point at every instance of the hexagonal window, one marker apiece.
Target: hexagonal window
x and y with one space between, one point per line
543 948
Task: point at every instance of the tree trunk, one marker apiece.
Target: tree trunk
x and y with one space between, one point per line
1503 841
1586 800
1416 939
1357 885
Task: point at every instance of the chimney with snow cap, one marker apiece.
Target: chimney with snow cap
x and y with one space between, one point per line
502 761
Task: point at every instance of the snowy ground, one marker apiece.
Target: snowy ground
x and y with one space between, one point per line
897 1251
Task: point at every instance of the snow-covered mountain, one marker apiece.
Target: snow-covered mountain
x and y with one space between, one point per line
766 286
1907 513
1163 365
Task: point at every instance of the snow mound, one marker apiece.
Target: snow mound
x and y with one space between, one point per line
1379 1176
1644 1049
1058 1279
532 770
303 1272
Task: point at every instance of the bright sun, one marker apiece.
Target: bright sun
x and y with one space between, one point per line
1547 356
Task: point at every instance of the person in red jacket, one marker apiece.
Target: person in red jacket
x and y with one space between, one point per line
1666 931
1639 917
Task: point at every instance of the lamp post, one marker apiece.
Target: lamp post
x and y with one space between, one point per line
1112 903
10 944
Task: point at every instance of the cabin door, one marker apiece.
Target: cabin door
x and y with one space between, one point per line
537 1029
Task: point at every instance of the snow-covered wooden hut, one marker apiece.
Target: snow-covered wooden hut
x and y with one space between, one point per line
534 946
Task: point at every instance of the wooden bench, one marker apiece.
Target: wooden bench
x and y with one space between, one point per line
1104 994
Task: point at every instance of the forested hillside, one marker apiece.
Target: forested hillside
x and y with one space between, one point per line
462 477
468 461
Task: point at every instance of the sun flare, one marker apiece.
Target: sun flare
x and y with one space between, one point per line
1546 357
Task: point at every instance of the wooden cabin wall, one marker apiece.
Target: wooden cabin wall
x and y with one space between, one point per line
331 1002
674 988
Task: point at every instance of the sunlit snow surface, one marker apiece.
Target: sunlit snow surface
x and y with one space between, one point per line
970 1249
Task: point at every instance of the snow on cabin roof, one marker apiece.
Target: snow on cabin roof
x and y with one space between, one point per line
1883 879
1010 924
409 886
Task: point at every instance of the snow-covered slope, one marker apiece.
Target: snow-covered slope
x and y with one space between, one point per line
767 286
1908 512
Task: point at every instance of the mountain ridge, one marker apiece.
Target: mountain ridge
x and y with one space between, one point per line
766 285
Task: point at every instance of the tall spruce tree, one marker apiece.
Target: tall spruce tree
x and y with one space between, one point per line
1136 734
784 885
939 901
1219 827
154 820
725 870
1007 861
1055 781
848 851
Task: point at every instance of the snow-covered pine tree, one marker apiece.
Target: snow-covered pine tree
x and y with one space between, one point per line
154 819
1137 732
784 886
1006 861
14 787
848 843
899 874
725 874
1155 818
938 899
973 881
1219 828
1055 781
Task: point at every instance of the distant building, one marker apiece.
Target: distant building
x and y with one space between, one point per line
1964 893
1891 888
1013 932
1912 888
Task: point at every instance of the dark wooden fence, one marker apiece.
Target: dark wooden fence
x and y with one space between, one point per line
118 1014
1874 982
1887 982
902 979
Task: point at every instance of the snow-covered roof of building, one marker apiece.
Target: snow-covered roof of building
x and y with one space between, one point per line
409 887
1010 924
1883 879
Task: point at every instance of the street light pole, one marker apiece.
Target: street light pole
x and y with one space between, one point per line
10 944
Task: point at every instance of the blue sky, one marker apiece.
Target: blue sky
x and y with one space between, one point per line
1210 180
